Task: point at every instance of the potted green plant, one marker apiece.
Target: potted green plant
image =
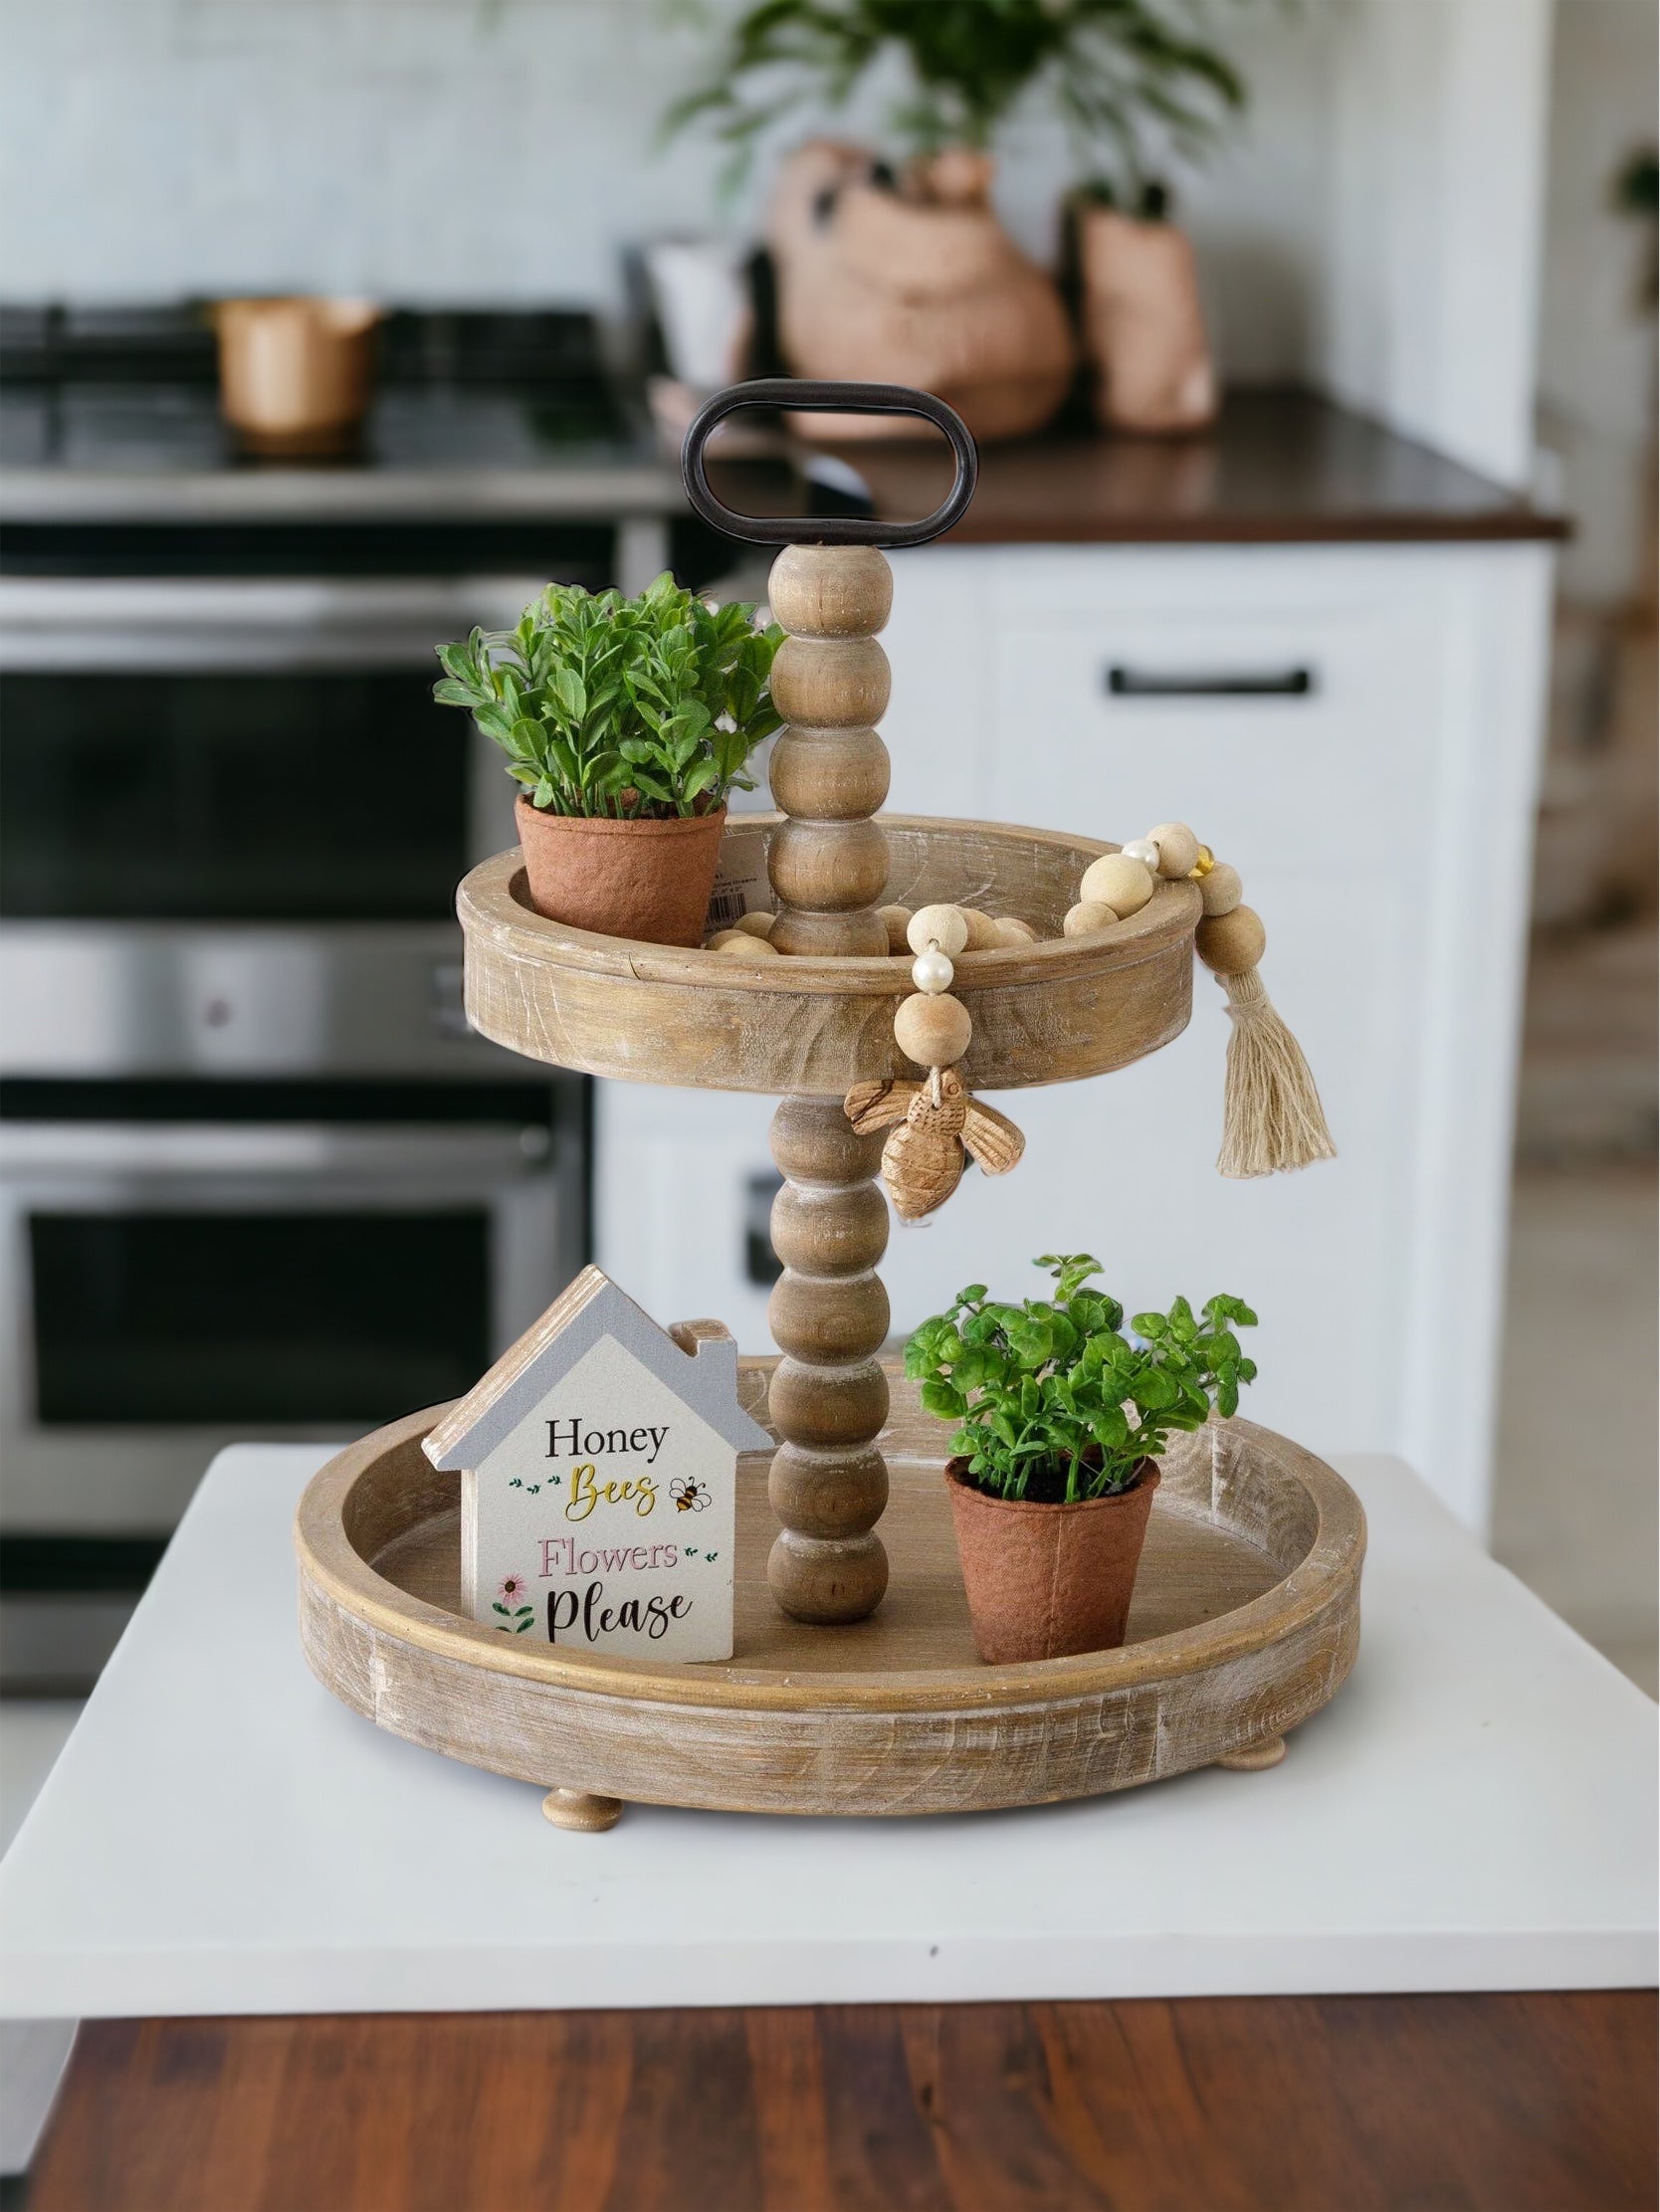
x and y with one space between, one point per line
627 722
1061 1421
1120 73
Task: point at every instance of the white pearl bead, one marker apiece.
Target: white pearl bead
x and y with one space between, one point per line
931 971
1145 850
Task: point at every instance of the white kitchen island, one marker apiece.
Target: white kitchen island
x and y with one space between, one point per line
1474 1811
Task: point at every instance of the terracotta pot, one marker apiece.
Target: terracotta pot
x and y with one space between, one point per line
294 375
1143 326
1045 1582
650 881
920 286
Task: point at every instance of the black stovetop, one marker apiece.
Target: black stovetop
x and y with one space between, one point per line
117 389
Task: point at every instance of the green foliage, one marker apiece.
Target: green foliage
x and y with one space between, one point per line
1152 204
1117 70
633 709
1053 1400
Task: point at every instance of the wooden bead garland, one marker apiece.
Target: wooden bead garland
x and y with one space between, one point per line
1231 943
1179 850
1272 1117
741 944
1220 888
980 932
895 920
1088 915
935 1125
1118 881
944 928
932 1031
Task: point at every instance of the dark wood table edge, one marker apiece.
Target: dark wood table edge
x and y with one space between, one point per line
1511 2100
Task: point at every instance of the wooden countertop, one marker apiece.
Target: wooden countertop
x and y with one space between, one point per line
1279 468
1511 2103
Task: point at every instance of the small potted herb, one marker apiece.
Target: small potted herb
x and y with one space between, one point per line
627 722
1061 1419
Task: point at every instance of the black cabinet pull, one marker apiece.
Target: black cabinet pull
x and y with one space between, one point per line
1124 683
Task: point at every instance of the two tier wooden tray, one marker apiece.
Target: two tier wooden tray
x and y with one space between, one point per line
1246 1621
856 1688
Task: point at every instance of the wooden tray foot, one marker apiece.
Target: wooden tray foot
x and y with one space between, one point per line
1255 1756
578 1809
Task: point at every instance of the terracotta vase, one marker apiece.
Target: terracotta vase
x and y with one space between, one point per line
295 375
647 881
914 284
1045 1582
1144 326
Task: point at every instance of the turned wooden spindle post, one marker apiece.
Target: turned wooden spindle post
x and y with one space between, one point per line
829 1311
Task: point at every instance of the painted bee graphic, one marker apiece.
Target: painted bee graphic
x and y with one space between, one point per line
689 1495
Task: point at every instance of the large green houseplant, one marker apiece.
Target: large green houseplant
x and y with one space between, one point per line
626 723
1139 83
1060 1420
1126 75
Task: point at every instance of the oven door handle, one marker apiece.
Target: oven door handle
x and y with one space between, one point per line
220 621
411 1158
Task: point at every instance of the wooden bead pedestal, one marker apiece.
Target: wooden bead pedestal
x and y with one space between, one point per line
828 864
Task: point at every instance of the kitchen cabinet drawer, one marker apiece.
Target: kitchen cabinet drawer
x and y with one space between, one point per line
1296 739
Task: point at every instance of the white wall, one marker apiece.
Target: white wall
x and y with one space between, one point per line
1437 120
503 150
1373 225
1597 339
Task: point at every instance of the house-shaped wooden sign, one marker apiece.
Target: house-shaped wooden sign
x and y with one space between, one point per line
598 1465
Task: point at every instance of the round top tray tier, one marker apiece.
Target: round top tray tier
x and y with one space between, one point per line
1051 1012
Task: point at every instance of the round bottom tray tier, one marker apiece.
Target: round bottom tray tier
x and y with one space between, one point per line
1049 1012
1246 1621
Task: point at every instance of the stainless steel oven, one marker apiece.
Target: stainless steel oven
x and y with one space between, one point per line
232 819
182 1263
242 749
257 1176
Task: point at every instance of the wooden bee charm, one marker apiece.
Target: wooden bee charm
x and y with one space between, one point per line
939 1124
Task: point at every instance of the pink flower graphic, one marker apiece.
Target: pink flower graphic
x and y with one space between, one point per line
512 1589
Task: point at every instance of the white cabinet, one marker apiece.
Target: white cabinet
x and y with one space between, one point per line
1380 806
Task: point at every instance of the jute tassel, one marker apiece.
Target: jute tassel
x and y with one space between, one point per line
1272 1117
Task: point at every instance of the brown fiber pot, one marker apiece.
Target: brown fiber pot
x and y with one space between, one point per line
651 881
1045 1582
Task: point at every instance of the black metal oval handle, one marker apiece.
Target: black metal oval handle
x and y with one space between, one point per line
804 396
